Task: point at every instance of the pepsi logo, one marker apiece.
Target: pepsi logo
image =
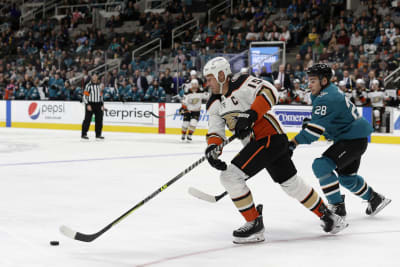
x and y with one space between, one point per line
34 111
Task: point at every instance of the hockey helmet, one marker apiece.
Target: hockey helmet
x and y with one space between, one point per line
376 82
214 66
360 81
320 70
194 82
193 73
342 83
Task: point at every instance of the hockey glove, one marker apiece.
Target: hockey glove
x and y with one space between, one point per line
182 110
244 123
292 147
306 120
212 155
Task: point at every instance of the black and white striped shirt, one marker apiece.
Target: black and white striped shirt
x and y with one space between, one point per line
92 93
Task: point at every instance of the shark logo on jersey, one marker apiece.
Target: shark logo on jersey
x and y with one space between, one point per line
34 111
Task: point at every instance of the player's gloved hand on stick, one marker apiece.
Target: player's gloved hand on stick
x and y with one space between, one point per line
244 123
305 122
182 110
212 155
292 147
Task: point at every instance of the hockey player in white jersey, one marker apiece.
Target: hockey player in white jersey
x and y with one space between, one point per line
283 94
191 106
377 99
359 94
347 92
243 103
298 93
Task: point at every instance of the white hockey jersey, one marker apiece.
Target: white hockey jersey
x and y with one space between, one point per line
192 101
244 92
377 98
298 97
359 98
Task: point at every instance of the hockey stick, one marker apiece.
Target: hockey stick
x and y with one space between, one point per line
90 237
161 117
207 197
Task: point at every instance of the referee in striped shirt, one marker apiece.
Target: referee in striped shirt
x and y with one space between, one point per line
93 99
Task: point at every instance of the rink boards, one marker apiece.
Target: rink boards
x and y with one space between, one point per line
142 117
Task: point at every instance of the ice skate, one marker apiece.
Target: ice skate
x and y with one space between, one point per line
189 138
339 208
332 223
376 203
183 137
250 232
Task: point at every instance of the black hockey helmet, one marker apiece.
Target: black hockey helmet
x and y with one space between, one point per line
321 70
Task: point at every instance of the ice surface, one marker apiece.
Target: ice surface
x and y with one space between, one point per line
51 178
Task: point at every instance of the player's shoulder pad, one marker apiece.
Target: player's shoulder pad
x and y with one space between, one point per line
237 81
212 99
329 96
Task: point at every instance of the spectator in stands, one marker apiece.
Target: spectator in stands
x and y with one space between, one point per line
168 84
155 93
140 81
282 77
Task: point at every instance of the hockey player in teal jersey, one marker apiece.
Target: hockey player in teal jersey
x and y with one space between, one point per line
335 117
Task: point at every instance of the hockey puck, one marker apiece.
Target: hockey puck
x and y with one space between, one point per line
54 243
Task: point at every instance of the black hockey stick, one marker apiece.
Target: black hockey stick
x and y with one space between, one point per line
207 197
90 237
161 117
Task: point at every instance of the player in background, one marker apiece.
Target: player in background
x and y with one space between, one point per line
284 97
191 106
193 76
243 103
347 92
377 97
335 117
359 94
298 93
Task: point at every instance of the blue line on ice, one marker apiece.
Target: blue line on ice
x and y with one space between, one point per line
100 159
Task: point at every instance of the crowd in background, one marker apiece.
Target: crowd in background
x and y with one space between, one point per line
45 61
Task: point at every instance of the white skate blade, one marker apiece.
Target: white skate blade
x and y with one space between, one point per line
339 226
254 238
384 203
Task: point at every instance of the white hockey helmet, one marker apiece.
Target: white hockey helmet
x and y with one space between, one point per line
193 73
360 81
296 81
214 66
194 82
342 83
376 82
277 82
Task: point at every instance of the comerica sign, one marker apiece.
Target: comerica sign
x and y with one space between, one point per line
292 117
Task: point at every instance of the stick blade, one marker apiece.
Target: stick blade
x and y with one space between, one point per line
68 232
201 195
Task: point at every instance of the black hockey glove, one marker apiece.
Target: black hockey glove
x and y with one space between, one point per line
244 123
182 110
305 122
212 157
292 147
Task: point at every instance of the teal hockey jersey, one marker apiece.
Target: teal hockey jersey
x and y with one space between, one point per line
335 117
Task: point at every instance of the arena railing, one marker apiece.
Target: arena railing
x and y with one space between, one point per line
95 5
106 67
154 45
393 76
178 31
44 8
219 8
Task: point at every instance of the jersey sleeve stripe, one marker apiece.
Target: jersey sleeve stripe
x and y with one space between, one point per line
269 94
214 138
316 128
311 132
